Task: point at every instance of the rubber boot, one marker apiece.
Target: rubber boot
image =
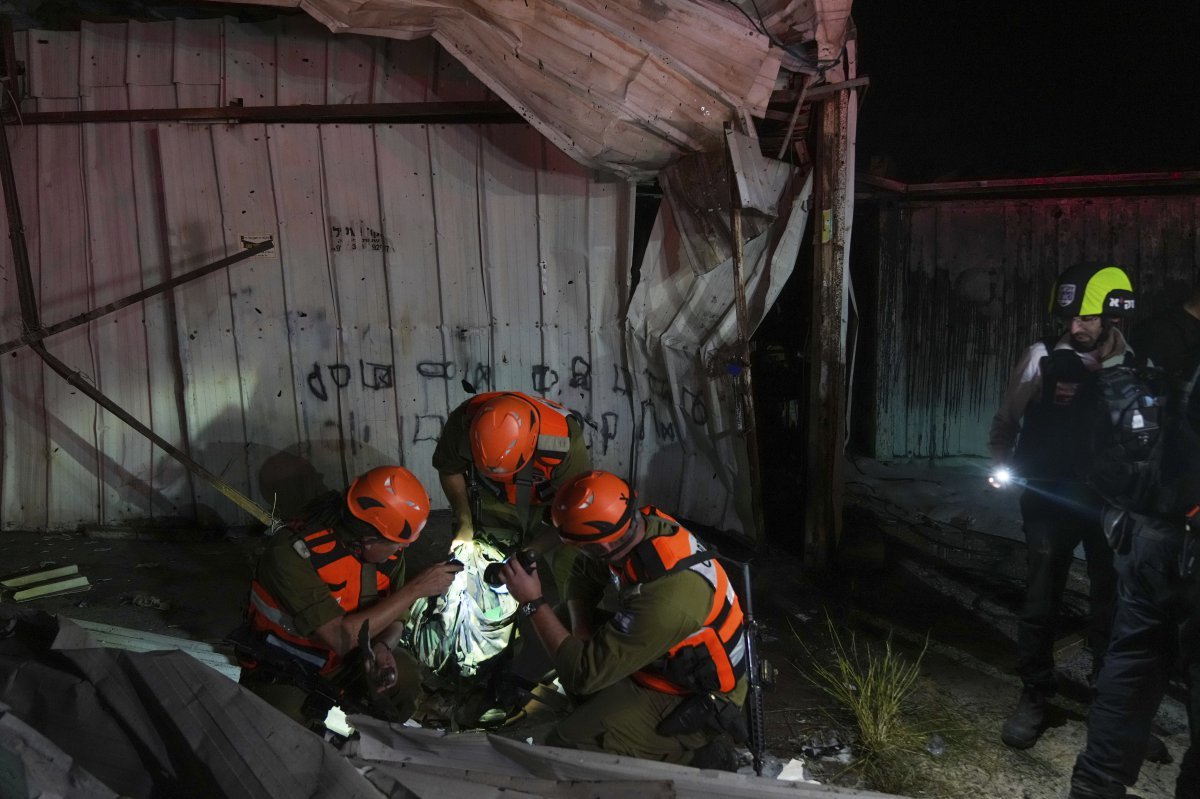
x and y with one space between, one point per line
1023 727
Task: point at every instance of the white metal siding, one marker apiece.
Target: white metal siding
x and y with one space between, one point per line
408 258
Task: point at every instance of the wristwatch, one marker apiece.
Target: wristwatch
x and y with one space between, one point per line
530 607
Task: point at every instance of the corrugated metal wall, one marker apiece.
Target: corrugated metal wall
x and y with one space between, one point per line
962 291
408 259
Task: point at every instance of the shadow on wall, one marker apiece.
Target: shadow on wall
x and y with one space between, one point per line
287 481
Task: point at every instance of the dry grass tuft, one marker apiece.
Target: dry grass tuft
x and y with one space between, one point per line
895 718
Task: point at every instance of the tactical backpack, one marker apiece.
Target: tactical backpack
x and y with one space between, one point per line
1124 460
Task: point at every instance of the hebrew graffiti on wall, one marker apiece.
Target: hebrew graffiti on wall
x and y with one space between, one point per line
355 237
657 415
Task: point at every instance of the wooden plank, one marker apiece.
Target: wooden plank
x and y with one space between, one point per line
402 154
68 586
53 65
215 422
198 62
312 314
466 323
102 49
833 205
563 240
513 268
22 580
26 466
369 414
126 458
74 476
249 54
259 311
300 77
350 65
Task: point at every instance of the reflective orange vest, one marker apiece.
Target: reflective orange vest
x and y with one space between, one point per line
714 657
554 441
342 572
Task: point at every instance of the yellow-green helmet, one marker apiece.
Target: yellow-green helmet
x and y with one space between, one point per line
1092 290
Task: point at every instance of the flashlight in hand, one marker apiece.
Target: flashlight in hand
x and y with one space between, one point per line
1000 477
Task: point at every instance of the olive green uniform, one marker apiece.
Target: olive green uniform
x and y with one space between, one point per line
294 583
501 519
619 715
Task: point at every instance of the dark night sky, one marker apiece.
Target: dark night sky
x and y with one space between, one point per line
965 89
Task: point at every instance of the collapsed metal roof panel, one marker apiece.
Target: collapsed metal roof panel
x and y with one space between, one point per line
623 86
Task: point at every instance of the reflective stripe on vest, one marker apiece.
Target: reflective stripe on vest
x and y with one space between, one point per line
340 571
720 643
553 444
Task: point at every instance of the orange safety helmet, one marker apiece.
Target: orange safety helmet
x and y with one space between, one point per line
504 434
593 508
392 500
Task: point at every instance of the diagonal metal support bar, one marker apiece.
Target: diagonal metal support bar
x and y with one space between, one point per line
87 316
31 321
77 380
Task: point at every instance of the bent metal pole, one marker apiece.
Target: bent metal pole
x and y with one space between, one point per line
34 333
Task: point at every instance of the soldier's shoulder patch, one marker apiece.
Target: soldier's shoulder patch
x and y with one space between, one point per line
622 622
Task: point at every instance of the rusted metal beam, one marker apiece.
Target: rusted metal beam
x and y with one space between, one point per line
491 113
116 305
30 319
1160 180
824 484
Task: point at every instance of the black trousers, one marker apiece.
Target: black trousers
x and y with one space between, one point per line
1158 615
1057 519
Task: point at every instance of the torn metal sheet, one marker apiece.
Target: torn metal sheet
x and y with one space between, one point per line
626 86
682 335
433 764
31 765
162 724
96 634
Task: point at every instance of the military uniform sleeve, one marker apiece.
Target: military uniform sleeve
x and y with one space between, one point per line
1023 387
652 618
396 568
291 579
453 452
586 577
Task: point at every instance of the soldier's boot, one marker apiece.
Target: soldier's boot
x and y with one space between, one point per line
1023 727
1156 750
1083 787
716 754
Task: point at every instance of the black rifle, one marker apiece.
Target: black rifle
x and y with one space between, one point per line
757 670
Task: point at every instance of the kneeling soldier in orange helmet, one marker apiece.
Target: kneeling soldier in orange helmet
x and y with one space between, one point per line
329 601
665 678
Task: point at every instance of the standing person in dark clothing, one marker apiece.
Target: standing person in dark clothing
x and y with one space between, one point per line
1158 603
1171 339
1039 435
